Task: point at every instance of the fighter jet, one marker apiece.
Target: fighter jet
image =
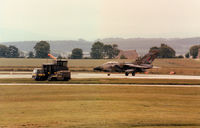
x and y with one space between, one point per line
140 65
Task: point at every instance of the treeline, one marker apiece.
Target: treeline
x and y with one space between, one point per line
9 52
166 51
41 50
99 50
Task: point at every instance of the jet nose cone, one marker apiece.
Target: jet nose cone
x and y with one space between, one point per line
99 68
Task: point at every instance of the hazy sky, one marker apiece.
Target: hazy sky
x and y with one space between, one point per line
92 19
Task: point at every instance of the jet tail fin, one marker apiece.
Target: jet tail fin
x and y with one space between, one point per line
148 58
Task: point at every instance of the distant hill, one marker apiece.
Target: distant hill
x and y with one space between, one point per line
141 45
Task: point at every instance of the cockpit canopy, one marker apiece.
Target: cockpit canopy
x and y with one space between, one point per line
111 63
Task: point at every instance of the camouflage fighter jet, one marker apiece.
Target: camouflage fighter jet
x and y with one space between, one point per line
140 65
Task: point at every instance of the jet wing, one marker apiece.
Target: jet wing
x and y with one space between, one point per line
134 66
156 67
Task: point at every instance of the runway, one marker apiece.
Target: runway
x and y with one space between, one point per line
4 75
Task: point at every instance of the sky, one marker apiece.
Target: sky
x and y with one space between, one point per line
23 20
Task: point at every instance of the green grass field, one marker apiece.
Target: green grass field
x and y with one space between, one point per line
99 107
180 66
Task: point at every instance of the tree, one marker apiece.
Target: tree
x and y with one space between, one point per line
13 52
100 50
115 50
30 54
180 56
77 53
194 51
59 57
154 48
97 50
42 49
10 52
110 51
164 51
69 56
187 55
3 51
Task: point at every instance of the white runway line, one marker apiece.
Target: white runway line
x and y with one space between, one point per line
123 85
103 75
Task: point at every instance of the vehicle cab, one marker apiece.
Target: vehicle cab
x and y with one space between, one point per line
38 74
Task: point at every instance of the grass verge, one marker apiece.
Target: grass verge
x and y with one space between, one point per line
99 107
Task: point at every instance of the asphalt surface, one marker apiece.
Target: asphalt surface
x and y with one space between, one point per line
142 76
102 75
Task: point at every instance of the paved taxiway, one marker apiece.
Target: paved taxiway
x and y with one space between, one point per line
103 75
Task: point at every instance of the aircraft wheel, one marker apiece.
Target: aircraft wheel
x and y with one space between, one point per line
133 73
126 73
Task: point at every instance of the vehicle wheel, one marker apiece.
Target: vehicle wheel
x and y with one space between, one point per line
108 74
66 79
133 73
52 79
126 73
42 78
37 79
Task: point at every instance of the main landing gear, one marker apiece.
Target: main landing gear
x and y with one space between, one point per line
127 73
